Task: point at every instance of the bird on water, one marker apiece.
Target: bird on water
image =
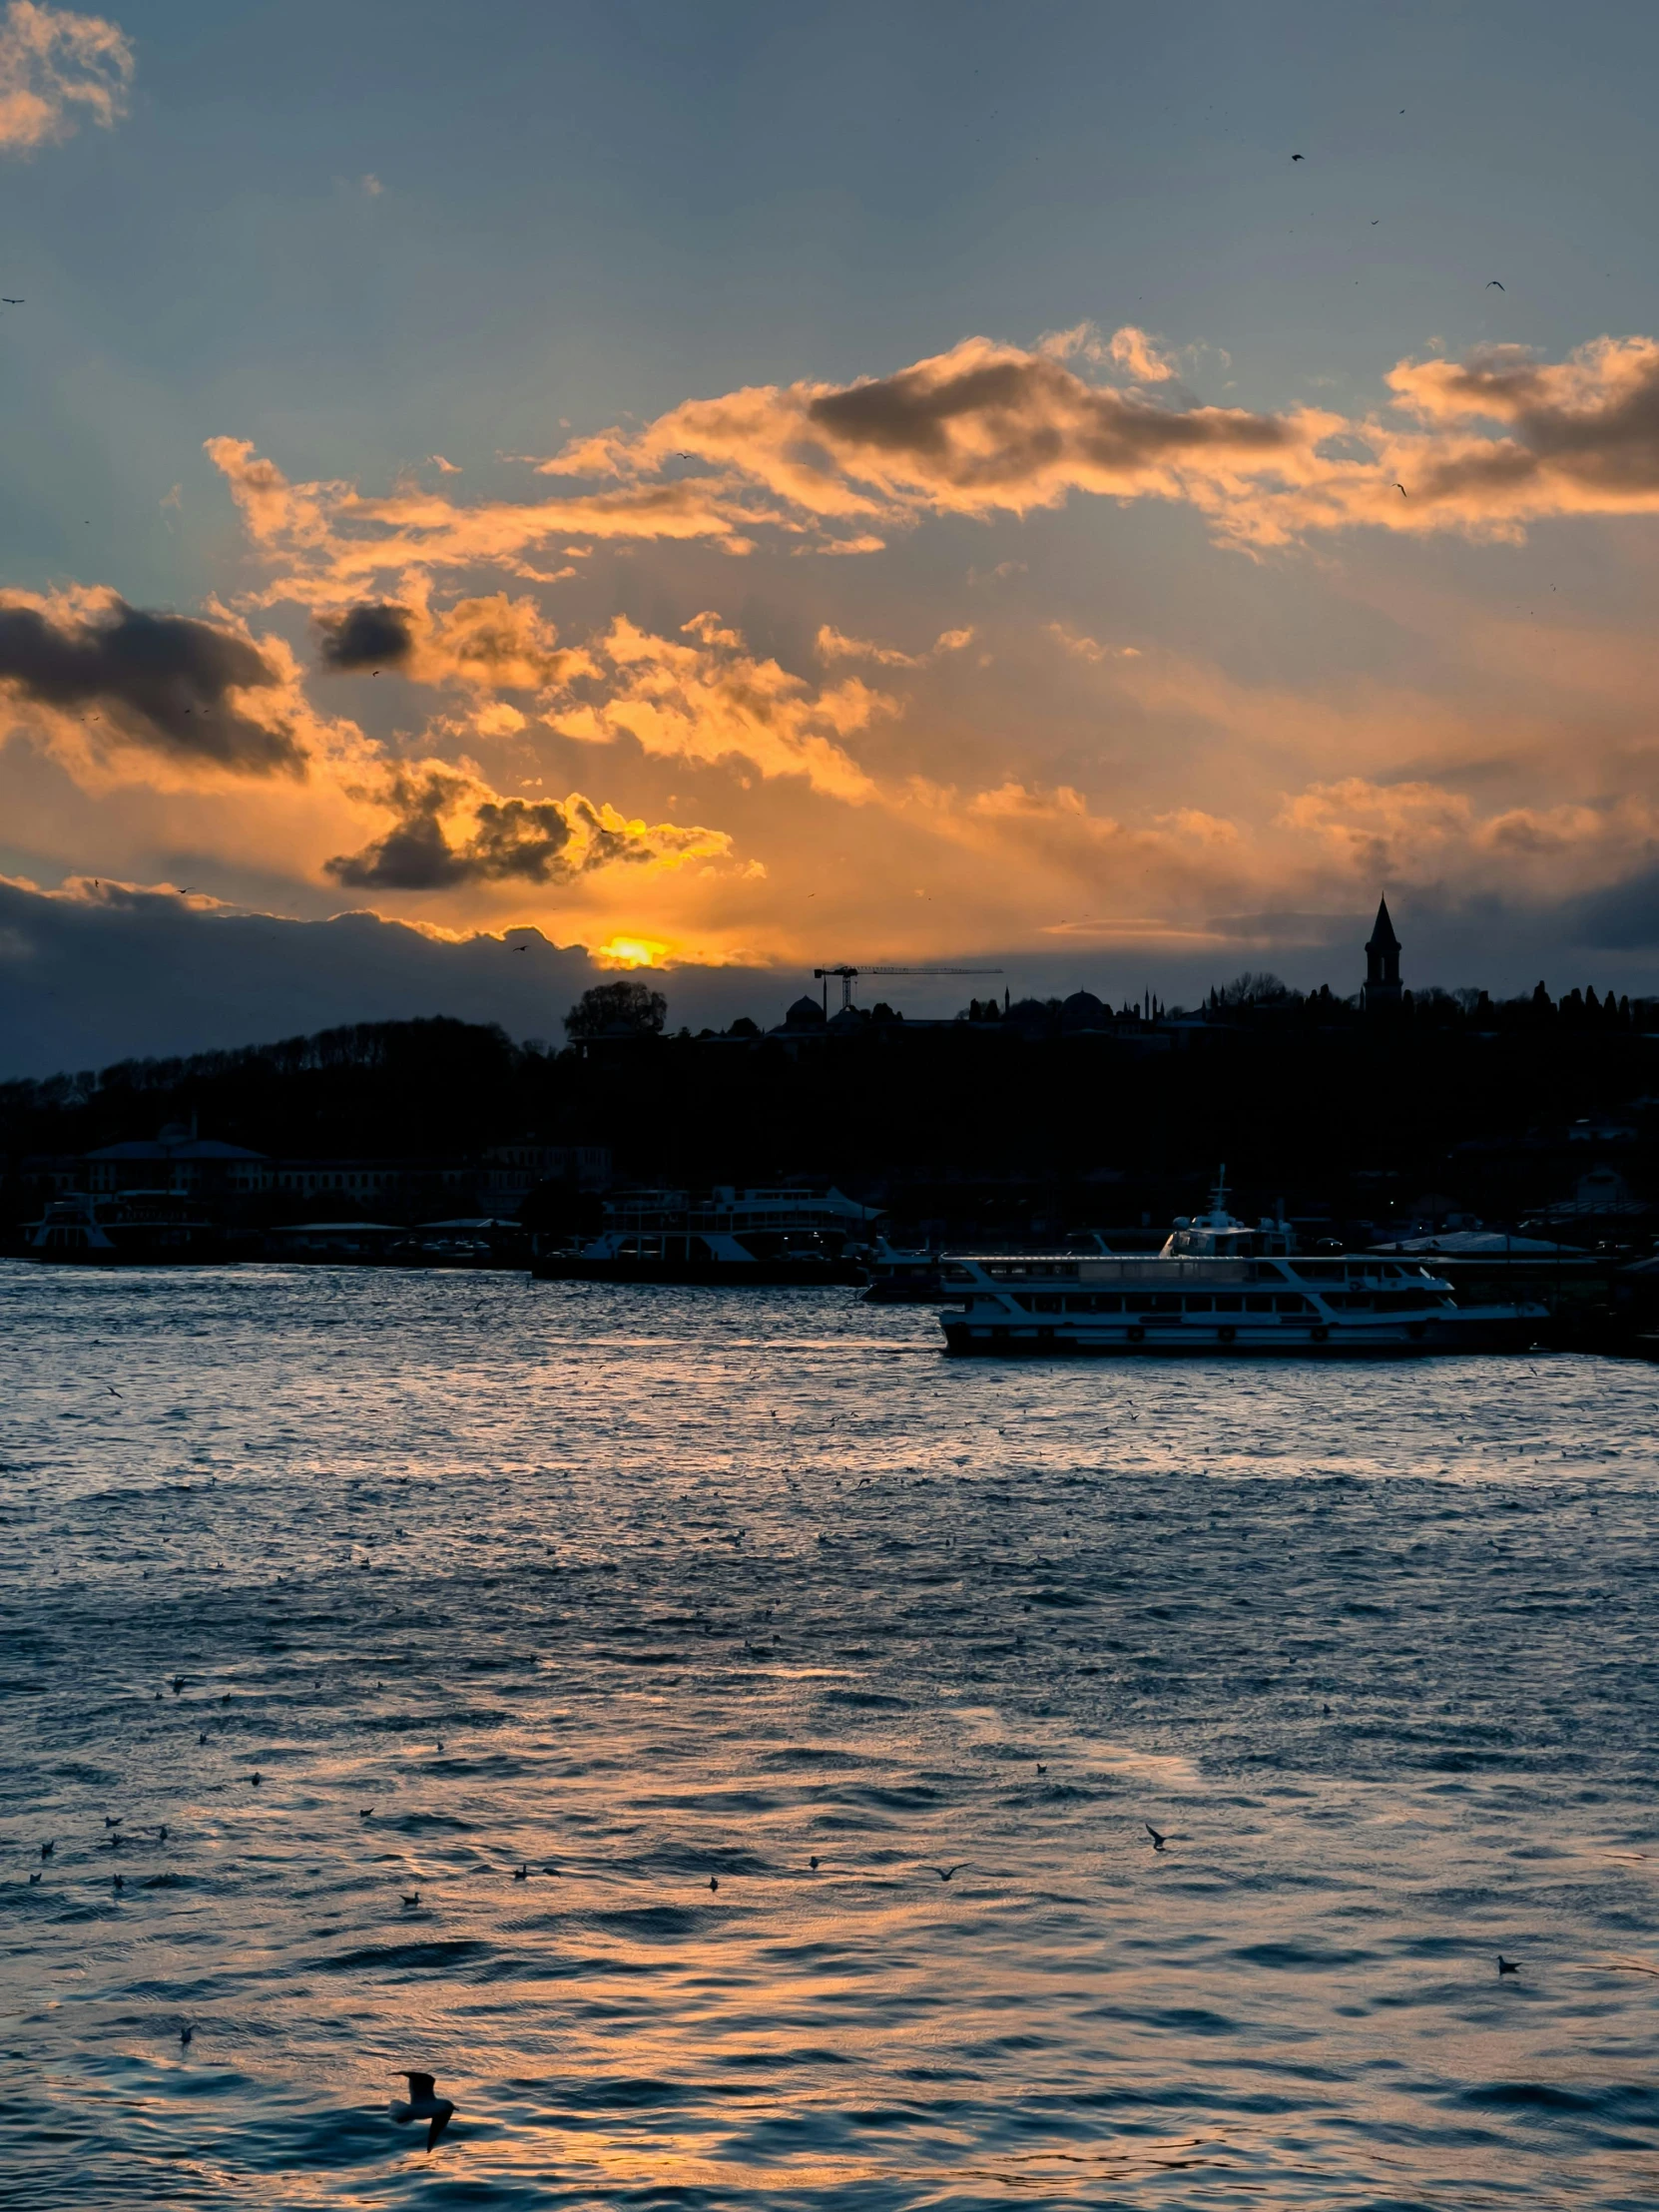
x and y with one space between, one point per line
424 2105
1507 1966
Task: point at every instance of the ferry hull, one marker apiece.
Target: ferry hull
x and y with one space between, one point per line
1442 1335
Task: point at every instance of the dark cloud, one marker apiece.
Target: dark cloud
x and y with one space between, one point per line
91 979
1026 415
530 841
378 634
1622 918
511 837
160 680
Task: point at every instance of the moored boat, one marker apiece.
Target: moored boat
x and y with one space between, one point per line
750 1237
132 1229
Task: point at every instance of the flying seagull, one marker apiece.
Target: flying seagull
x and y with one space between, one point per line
1298 157
1157 1840
1403 493
1494 285
424 2104
944 1873
13 302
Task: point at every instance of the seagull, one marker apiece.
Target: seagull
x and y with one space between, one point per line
118 1881
1507 1966
415 1899
522 1874
366 1811
944 1873
1492 283
424 2104
1041 1769
1403 493
46 1850
256 1781
178 1684
114 1393
813 1862
13 302
1157 1840
713 1883
115 1822
1298 157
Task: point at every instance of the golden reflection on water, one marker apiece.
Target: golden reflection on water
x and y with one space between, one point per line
1388 1724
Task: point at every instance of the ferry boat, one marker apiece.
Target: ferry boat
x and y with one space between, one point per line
729 1236
1218 1286
134 1227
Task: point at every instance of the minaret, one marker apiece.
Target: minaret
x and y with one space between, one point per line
1383 993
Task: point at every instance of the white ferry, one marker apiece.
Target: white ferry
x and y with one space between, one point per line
1218 1286
752 1237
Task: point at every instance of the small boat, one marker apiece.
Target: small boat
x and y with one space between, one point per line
1218 1286
129 1228
749 1237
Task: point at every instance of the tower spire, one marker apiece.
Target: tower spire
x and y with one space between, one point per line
1384 990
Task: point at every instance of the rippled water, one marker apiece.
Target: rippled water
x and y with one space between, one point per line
649 1590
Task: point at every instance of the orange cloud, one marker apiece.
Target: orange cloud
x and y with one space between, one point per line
833 646
57 68
487 643
710 700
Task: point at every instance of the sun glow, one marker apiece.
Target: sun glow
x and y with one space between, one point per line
631 952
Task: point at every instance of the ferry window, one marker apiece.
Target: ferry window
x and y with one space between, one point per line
1166 1302
1198 1305
1049 1305
1291 1304
1229 1303
1139 1302
1110 1304
1257 1303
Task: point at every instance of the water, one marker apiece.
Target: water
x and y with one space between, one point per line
658 1588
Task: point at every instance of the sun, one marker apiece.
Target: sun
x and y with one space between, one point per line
631 952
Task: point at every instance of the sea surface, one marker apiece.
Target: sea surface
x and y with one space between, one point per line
372 1586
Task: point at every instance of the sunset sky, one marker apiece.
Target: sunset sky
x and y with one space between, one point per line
750 486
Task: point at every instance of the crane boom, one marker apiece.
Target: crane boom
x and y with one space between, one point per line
848 975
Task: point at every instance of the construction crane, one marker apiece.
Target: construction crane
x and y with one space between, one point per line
849 976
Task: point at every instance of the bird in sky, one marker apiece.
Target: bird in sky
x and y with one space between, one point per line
424 2105
1403 493
1492 284
1157 1840
1507 1966
114 1393
1298 157
944 1873
12 302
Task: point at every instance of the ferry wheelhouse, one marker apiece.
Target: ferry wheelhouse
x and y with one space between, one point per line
1216 1287
775 1236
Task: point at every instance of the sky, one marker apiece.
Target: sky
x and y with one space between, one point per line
1099 493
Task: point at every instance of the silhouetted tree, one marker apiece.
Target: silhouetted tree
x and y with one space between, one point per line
626 1008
